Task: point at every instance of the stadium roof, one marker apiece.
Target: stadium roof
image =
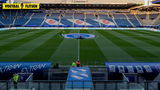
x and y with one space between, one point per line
84 1
156 1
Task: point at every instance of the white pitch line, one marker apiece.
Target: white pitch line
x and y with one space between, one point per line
78 47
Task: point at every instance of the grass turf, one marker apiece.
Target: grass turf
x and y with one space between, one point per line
107 46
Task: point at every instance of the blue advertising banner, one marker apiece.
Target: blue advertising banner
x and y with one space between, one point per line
124 67
79 77
7 69
149 70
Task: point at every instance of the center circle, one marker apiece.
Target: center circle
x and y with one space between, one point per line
78 35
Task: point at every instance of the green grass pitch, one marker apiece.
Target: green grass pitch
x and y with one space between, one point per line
107 46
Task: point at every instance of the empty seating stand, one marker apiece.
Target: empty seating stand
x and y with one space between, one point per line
79 20
119 16
69 19
38 15
35 22
91 19
103 16
135 22
51 22
66 22
142 16
20 21
153 16
123 23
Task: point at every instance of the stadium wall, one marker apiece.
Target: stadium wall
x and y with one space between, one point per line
12 28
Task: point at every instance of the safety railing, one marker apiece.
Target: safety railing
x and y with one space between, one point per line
97 85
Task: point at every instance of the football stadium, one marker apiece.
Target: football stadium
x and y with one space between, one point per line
79 44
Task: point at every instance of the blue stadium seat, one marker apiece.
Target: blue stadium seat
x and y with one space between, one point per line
54 15
135 22
38 15
79 16
36 18
66 22
35 22
68 16
92 22
103 16
1 14
13 14
119 16
90 16
131 16
79 23
153 16
20 21
142 16
21 13
6 21
123 23
51 22
109 23
27 15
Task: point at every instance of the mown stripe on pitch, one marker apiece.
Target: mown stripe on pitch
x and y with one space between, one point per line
152 33
6 31
66 52
44 51
128 46
19 52
22 41
9 32
21 36
141 38
111 50
4 37
90 53
145 35
143 45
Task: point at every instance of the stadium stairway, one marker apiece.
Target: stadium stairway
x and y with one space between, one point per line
79 78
